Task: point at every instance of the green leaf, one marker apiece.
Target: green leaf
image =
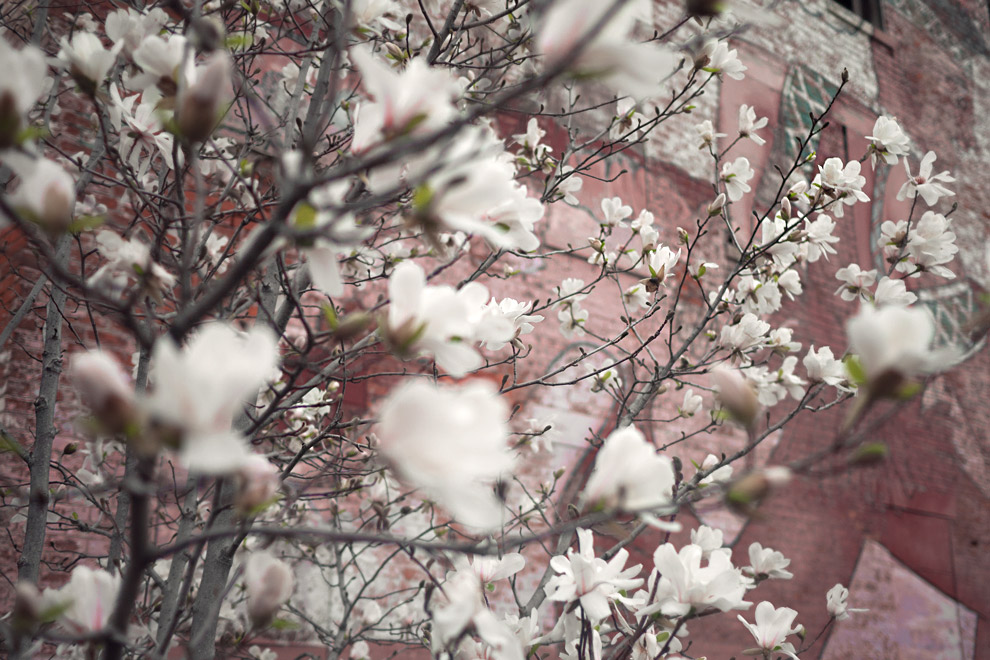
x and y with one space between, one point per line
8 444
855 369
304 217
284 624
85 223
331 316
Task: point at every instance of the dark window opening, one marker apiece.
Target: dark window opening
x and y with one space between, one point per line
868 10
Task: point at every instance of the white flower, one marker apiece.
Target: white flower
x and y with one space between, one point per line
893 292
836 603
23 81
104 388
767 563
567 184
451 443
614 212
842 183
926 184
592 582
88 599
46 193
857 282
749 124
435 320
129 260
717 58
736 176
269 584
630 475
888 141
930 244
823 367
603 379
569 311
708 539
86 58
819 236
691 405
772 626
612 53
199 388
661 263
894 340
413 102
636 296
199 104
627 123
492 569
506 315
736 394
130 28
684 584
719 476
747 334
461 609
707 134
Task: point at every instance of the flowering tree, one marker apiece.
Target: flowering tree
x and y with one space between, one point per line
284 203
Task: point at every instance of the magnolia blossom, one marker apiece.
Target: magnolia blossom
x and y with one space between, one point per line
87 599
129 28
269 584
736 176
749 124
819 237
461 608
823 367
857 282
450 442
895 340
46 193
86 58
893 292
685 585
841 183
708 539
836 603
569 311
707 134
439 320
592 582
736 395
496 313
718 476
412 102
200 387
614 212
771 627
749 333
767 563
129 260
926 184
691 405
105 389
491 569
715 57
930 245
661 263
570 36
20 86
630 475
200 101
888 141
627 123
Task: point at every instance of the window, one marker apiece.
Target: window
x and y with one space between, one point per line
868 10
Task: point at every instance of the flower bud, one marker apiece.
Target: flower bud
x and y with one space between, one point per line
46 194
736 395
257 484
269 585
745 494
104 389
199 104
715 208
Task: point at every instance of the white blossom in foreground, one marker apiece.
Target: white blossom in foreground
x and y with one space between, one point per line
105 389
772 626
269 584
20 86
87 599
450 442
836 602
926 184
716 58
611 53
200 387
86 59
589 580
894 341
893 292
46 193
708 539
414 101
631 476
